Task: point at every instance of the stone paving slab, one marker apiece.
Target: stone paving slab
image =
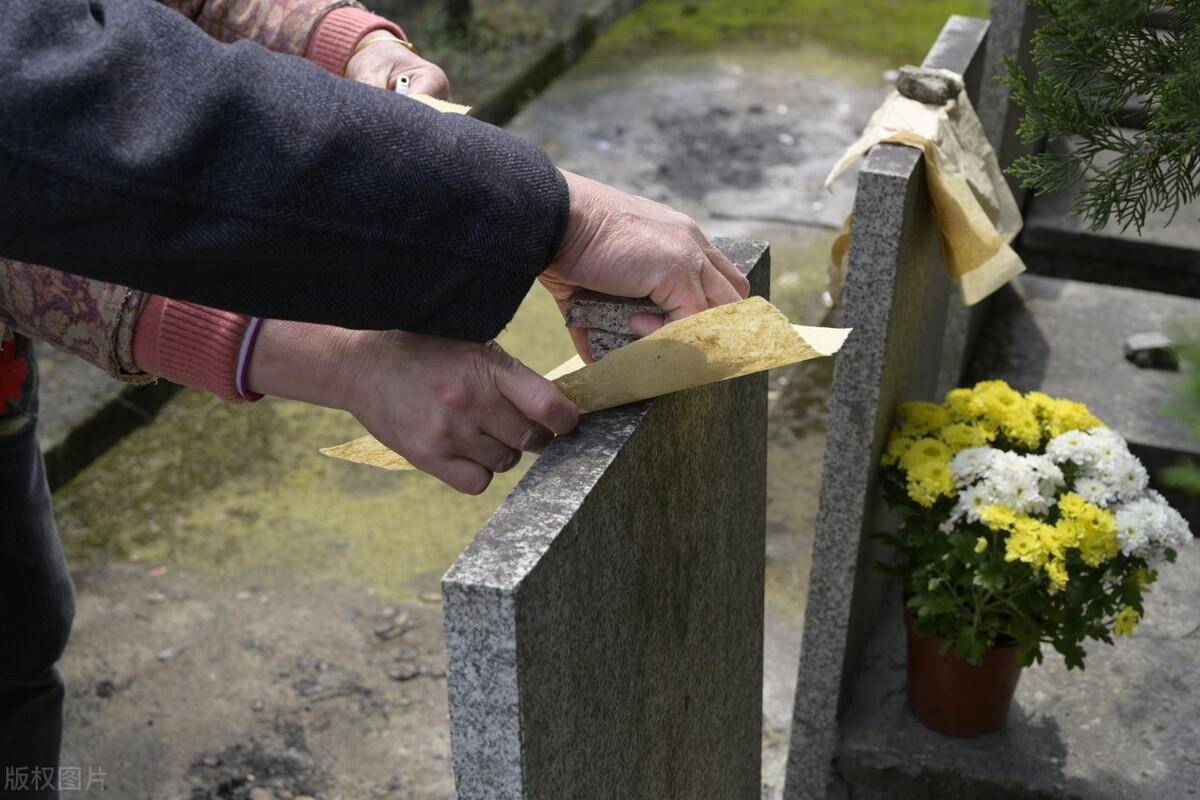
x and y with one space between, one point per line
84 411
1066 338
1126 727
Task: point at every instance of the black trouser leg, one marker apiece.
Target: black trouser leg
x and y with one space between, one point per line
37 605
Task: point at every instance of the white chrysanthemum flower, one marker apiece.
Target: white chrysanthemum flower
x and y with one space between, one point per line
1147 526
1028 484
1073 446
1095 491
1132 483
970 464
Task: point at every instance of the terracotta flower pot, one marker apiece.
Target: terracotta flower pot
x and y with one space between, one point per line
950 695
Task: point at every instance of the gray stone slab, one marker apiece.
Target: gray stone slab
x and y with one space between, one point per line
604 630
1010 34
1163 257
905 346
1067 338
1125 728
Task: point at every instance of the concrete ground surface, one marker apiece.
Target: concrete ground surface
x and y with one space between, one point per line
256 621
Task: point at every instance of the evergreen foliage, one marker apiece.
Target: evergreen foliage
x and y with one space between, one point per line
1092 58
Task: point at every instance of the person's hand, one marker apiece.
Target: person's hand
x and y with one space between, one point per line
382 59
629 246
460 411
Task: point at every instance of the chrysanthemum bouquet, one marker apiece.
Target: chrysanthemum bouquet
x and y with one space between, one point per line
1023 518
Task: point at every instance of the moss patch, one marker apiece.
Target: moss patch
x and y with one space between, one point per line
899 31
242 492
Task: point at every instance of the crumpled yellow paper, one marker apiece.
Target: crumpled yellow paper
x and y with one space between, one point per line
445 106
975 210
715 345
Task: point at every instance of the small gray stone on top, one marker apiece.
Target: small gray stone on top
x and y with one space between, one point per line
925 85
607 317
604 312
601 343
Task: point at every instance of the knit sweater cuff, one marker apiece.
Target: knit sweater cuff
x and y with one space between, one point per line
339 32
190 344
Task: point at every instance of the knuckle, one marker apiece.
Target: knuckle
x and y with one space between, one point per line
508 461
529 437
456 395
496 357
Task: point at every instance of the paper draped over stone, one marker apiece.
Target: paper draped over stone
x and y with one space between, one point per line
715 345
976 213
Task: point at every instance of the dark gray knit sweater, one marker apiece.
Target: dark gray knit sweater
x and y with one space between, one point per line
136 149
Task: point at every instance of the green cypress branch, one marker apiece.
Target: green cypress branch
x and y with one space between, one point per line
1093 58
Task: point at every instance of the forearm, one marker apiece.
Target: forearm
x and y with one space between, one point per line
138 151
285 26
301 361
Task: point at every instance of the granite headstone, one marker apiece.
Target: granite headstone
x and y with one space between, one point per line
604 630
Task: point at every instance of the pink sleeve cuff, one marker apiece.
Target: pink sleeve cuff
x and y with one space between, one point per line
191 344
339 32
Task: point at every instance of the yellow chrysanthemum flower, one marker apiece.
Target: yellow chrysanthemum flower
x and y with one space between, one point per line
999 407
1059 416
1021 425
919 418
981 544
923 451
896 447
998 518
1024 545
1072 505
1126 621
929 481
1056 571
961 435
958 403
1088 527
1057 539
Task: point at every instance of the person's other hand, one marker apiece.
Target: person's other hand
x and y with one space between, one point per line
460 411
629 246
381 63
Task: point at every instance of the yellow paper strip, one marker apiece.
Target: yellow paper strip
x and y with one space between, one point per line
715 345
444 106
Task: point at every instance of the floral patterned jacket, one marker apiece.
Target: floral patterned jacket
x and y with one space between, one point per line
92 319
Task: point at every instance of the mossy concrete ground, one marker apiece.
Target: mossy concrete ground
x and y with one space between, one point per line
279 564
